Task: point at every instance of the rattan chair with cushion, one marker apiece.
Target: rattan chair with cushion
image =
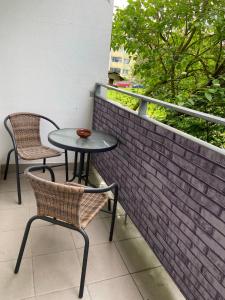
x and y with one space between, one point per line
27 145
69 205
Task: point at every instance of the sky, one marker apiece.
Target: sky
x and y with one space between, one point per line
120 3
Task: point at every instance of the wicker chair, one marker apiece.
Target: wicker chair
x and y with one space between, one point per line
25 135
69 205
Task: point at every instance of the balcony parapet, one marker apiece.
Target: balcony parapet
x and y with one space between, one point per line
172 185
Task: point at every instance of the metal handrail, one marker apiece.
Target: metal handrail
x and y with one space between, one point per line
144 100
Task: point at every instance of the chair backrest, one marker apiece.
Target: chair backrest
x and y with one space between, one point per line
26 129
57 200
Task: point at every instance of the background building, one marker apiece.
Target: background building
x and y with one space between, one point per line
120 62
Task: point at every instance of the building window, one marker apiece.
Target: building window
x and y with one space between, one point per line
116 70
126 60
125 72
116 59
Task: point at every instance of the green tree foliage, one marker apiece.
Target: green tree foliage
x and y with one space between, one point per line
179 52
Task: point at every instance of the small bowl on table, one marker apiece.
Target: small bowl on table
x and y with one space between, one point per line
83 133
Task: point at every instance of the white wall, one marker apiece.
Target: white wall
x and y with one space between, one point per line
51 54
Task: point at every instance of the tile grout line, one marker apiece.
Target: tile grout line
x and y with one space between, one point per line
32 262
121 254
107 279
147 269
53 291
139 290
130 273
89 293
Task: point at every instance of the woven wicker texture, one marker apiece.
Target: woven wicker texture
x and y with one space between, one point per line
26 130
32 153
66 202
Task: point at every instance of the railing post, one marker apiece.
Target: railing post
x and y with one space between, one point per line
97 91
142 111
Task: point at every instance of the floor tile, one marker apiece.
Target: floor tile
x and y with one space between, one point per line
9 185
96 231
137 255
28 198
16 286
8 200
102 214
13 219
56 271
120 210
70 294
122 231
50 239
10 242
121 288
156 284
104 262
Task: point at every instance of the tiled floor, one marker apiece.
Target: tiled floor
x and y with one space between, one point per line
125 269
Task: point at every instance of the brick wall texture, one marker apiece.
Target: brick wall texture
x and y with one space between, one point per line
173 189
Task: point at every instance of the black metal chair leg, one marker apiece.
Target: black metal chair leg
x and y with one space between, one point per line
66 165
74 168
84 265
18 178
113 214
23 244
7 163
44 163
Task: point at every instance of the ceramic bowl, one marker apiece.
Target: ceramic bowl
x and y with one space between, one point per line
83 132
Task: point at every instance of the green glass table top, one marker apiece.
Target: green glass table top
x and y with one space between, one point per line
68 139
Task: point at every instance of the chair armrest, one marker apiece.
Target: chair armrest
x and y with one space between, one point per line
50 121
41 167
74 184
113 186
88 189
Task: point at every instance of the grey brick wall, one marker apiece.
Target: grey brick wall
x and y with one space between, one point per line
173 188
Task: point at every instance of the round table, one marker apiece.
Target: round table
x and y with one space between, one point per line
68 139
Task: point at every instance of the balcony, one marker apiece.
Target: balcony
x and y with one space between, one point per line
171 185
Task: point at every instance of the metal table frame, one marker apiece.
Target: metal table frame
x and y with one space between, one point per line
82 152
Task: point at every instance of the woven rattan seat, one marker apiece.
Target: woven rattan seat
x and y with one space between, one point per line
37 152
26 128
69 205
27 145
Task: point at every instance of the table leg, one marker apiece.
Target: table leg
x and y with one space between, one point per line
66 165
75 165
87 168
81 166
74 168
